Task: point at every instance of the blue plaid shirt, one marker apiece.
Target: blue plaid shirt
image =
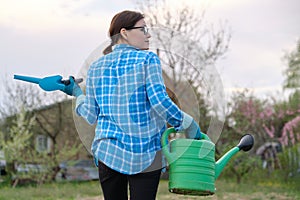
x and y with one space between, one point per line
126 96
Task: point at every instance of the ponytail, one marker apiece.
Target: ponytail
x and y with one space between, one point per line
108 49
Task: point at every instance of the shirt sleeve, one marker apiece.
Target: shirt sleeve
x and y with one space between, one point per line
86 106
158 97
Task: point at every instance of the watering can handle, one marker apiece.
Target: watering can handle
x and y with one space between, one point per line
165 136
165 141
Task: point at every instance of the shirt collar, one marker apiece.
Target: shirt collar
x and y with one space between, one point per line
119 47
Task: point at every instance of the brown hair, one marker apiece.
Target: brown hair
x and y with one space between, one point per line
125 19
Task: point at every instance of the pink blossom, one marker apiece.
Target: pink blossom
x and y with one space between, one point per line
268 112
268 131
289 128
280 114
289 112
261 115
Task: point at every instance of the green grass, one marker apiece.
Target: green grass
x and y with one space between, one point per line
54 191
250 190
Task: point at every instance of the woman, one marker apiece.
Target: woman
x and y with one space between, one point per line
126 97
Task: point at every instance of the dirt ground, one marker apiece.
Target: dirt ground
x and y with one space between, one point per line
228 196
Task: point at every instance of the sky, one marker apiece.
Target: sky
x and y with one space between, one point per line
48 37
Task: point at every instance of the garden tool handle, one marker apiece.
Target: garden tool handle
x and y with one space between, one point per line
67 82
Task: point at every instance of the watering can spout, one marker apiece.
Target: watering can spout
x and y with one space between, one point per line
245 144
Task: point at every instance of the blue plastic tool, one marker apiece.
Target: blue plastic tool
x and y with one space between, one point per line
49 83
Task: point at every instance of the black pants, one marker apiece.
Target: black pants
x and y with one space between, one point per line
142 186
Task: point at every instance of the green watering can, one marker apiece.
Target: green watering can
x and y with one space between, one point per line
192 166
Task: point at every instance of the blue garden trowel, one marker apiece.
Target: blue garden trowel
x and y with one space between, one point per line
49 83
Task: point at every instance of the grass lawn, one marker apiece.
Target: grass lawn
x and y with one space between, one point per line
91 191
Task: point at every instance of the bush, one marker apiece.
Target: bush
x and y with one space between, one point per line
290 162
242 165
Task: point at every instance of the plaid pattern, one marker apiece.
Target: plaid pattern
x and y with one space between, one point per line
126 96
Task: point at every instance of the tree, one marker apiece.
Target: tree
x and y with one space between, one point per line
56 122
290 137
17 95
245 116
52 119
16 141
274 124
292 73
188 50
20 150
241 165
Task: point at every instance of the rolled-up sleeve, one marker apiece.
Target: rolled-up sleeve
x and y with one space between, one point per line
86 106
